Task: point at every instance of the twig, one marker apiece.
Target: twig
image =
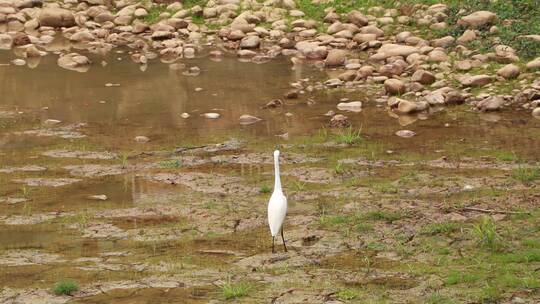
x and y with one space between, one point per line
494 211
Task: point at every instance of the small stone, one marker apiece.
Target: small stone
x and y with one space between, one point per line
51 122
184 115
536 113
335 58
142 139
492 103
292 94
274 104
353 106
339 121
248 119
99 197
405 133
211 115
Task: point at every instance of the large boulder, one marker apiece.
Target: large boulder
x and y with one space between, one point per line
394 86
423 77
335 58
56 17
476 81
509 71
390 50
478 19
493 103
534 65
74 62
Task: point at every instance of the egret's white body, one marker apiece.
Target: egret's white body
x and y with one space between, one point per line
277 206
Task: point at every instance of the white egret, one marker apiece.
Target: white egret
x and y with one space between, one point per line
277 206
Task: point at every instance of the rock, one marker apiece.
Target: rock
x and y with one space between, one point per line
142 139
211 115
250 42
509 71
466 37
476 81
74 62
407 107
184 115
339 121
56 17
335 58
444 42
390 50
493 103
423 77
5 42
405 133
478 19
534 65
275 103
99 197
248 119
353 106
357 18
536 112
435 98
394 86
51 122
437 56
292 94
463 65
454 97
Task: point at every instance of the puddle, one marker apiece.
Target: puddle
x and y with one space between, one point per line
131 180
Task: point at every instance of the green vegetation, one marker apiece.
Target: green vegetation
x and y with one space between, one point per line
347 294
516 18
153 14
265 189
382 215
65 287
171 163
441 228
235 290
350 136
486 234
526 175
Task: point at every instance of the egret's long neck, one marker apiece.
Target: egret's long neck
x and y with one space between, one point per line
277 181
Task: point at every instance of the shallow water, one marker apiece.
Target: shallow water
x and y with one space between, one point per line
150 103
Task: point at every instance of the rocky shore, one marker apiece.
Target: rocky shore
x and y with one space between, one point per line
394 49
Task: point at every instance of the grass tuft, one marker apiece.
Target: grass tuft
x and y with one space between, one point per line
486 234
526 175
65 287
235 290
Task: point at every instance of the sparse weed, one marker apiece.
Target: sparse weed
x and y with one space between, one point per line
486 234
235 290
381 215
171 163
265 189
350 136
440 228
347 294
66 287
526 175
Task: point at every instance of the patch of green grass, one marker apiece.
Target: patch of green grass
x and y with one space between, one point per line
486 234
458 277
386 188
362 227
506 156
347 294
437 298
441 228
350 136
65 287
526 175
382 215
516 18
235 290
265 189
527 256
153 14
489 294
333 221
170 163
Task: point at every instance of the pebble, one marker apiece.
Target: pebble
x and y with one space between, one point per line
405 133
142 139
99 197
211 115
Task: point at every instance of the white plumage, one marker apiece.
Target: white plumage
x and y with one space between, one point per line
277 206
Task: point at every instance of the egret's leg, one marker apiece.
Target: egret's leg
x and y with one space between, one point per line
283 239
273 247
